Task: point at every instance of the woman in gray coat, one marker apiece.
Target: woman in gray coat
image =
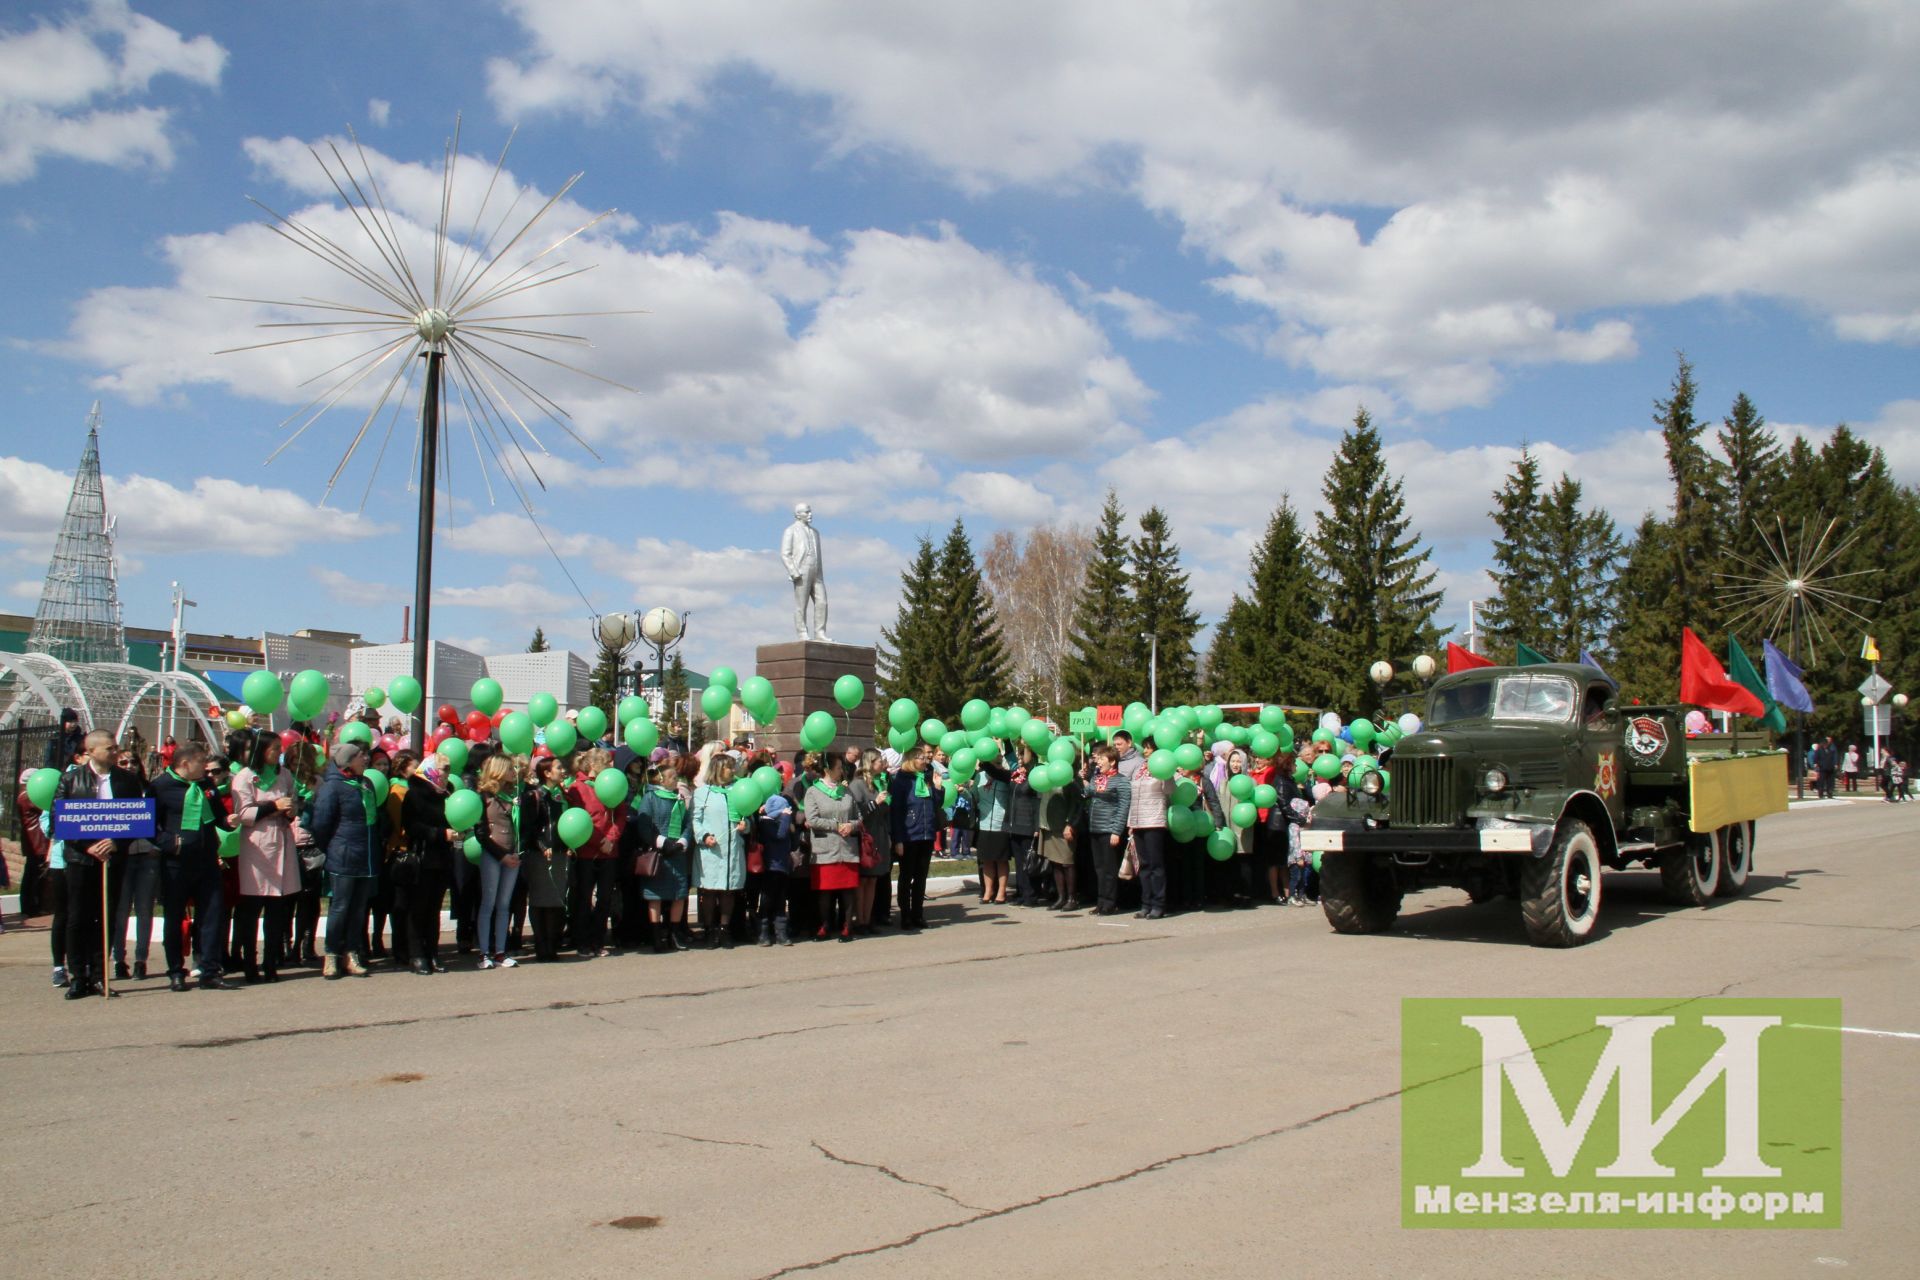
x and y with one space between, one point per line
834 825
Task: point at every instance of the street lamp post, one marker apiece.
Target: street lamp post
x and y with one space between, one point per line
662 628
1153 670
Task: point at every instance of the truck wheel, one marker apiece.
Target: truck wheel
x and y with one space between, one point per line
1356 897
1691 875
1736 859
1560 891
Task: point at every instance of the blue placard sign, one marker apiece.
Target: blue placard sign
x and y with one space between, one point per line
103 819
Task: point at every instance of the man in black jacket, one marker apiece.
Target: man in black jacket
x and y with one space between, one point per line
94 778
187 831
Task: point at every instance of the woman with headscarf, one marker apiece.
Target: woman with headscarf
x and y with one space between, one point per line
431 860
660 812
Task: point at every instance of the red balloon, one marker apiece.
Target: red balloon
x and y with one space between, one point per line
389 743
440 735
541 752
448 715
478 720
477 734
497 717
289 740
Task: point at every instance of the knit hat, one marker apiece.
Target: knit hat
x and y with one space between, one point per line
345 753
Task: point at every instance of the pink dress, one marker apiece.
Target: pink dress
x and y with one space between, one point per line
269 862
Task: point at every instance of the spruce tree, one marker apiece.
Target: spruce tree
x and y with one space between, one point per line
909 650
674 691
539 642
1646 649
1379 596
1107 661
1267 645
972 656
605 681
1580 556
1163 608
1517 609
1754 469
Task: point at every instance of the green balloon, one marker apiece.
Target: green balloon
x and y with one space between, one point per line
1162 765
1301 772
357 731
1209 717
849 692
1037 736
756 695
817 733
263 693
1271 718
454 751
716 701
642 735
1221 846
1063 751
1017 718
931 731
1167 733
1236 734
902 713
591 723
471 847
485 695
1185 793
542 708
378 781
951 796
456 783
404 693
1327 766
612 787
464 809
574 828
1285 734
1240 786
979 737
1188 755
1365 762
1135 718
1316 862
41 785
1187 718
375 697
1244 814
724 677
744 798
974 714
1324 735
1386 781
1265 797
1362 732
903 740
516 733
562 738
1040 778
1263 744
629 709
768 779
307 696
953 740
964 762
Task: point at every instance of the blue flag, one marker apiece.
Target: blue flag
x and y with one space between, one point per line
1588 660
1785 681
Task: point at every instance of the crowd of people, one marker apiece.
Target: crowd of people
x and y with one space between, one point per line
1831 767
255 842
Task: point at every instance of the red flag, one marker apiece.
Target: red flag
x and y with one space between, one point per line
1459 659
1703 682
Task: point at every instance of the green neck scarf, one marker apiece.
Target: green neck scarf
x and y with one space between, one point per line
193 812
267 776
677 815
826 788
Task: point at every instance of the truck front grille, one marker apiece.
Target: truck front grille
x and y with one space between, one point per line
1428 793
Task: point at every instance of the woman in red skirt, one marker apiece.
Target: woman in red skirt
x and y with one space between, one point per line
835 828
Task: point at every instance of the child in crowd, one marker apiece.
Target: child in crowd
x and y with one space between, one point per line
1299 861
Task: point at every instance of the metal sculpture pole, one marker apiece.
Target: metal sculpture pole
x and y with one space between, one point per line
423 552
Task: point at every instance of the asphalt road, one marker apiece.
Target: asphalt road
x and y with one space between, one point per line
1011 1093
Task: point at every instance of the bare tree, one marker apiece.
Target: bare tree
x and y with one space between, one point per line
1035 580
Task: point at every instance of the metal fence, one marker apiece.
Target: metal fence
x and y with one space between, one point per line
24 746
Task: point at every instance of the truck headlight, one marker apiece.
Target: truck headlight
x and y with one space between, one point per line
1372 783
1494 781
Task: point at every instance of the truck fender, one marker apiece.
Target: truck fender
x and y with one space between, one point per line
1591 809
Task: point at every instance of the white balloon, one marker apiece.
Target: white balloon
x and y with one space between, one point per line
1409 723
1330 720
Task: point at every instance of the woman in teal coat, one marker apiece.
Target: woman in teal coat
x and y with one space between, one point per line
721 837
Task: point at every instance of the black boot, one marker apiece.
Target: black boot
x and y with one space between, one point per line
682 937
140 970
712 938
77 989
662 938
766 933
781 933
120 971
176 981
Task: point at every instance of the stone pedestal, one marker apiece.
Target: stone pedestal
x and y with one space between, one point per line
802 673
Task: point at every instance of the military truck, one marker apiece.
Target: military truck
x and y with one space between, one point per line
1528 783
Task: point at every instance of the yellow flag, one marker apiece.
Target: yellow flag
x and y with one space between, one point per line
1869 651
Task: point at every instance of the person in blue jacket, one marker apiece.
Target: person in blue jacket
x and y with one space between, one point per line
913 797
344 818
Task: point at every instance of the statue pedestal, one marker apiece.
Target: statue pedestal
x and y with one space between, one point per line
802 673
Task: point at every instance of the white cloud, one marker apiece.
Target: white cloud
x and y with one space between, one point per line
62 85
379 111
1001 497
155 517
1425 196
1142 317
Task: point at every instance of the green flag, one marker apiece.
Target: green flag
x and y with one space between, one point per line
1740 667
1525 655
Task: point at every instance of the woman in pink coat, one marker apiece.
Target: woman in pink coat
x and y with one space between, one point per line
267 805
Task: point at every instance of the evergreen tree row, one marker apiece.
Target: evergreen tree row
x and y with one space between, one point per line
945 644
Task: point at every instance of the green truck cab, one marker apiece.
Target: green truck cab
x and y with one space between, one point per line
1528 783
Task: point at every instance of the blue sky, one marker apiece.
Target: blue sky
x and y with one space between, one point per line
921 261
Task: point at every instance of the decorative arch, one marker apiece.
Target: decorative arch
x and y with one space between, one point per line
58 673
194 694
30 681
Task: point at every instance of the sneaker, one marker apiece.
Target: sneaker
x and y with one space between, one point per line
329 968
505 962
59 975
486 962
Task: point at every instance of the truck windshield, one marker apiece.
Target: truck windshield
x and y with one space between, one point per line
1514 697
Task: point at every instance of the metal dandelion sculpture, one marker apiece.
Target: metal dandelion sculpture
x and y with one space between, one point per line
456 324
1792 590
